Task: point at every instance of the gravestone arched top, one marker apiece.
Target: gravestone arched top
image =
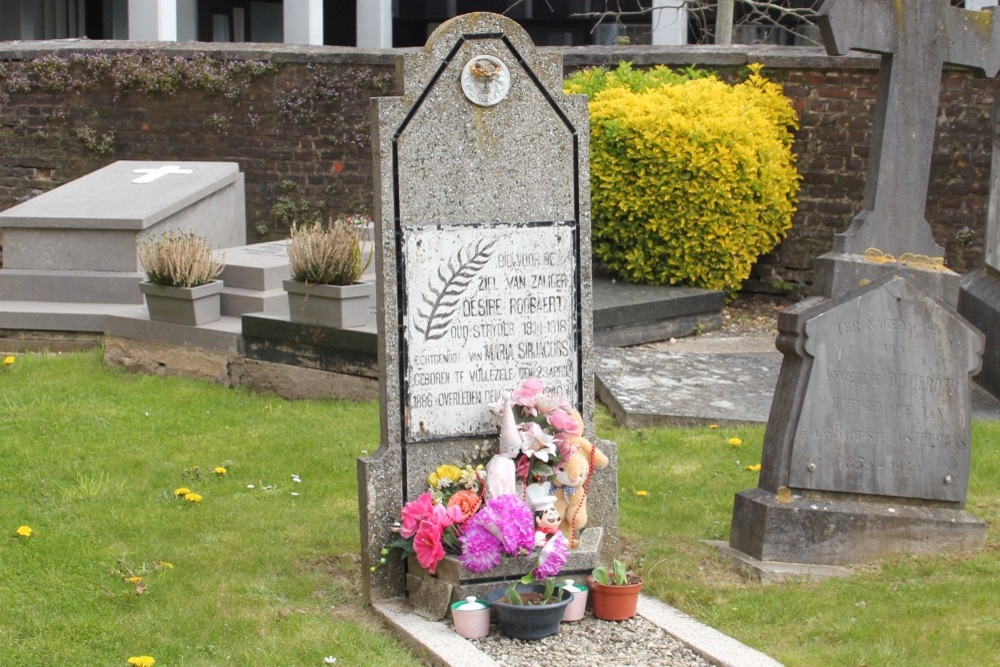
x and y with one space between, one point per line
473 33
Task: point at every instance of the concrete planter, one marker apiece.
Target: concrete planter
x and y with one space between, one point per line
193 306
336 306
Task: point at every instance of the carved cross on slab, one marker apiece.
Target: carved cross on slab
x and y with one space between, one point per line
915 38
150 175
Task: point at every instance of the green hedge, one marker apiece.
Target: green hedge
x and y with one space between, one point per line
692 179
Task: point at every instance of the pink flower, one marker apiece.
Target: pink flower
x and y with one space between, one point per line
566 422
427 545
528 393
536 442
414 512
552 557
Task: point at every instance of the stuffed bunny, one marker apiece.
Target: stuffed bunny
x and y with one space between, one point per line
570 486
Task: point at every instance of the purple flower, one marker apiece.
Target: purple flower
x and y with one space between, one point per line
481 550
552 557
504 525
510 521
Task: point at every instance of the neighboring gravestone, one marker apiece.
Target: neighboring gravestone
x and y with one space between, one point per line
77 243
979 298
867 448
483 264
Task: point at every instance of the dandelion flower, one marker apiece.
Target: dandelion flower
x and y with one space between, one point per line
142 661
735 442
754 468
641 493
8 360
220 471
165 565
193 498
181 492
23 531
713 426
134 580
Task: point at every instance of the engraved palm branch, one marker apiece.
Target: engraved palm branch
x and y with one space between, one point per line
434 316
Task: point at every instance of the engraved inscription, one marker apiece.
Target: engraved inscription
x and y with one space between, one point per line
881 415
486 308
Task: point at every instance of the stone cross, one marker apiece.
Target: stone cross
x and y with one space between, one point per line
915 39
150 175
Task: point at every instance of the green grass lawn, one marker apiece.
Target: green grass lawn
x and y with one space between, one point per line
268 575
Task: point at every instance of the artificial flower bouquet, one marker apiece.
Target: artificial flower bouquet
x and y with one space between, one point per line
486 510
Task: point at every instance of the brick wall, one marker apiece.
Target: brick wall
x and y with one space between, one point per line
300 135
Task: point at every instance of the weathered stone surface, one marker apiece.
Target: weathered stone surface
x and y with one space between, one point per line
842 531
914 41
979 300
143 356
482 235
872 403
873 398
979 303
886 407
298 382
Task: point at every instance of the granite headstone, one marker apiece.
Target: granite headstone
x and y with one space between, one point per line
868 443
483 263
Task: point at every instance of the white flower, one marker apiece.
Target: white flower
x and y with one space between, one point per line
536 442
329 660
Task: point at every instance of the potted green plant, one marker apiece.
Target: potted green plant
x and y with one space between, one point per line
614 595
181 284
326 263
530 611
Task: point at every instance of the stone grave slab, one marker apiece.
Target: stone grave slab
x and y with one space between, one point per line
873 402
77 243
482 235
979 298
252 278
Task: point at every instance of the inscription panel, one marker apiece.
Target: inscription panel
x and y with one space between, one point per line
885 411
486 307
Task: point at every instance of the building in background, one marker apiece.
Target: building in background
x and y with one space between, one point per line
377 23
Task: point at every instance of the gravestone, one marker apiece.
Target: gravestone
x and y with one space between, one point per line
979 298
867 448
483 262
77 243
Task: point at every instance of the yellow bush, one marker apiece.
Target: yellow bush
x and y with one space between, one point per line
691 182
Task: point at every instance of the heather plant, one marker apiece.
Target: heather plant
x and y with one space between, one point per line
692 179
327 254
175 259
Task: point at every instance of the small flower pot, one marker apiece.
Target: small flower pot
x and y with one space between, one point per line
614 603
528 622
471 617
575 609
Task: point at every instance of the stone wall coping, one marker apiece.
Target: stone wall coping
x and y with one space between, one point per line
777 57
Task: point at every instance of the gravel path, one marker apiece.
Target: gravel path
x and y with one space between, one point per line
632 643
